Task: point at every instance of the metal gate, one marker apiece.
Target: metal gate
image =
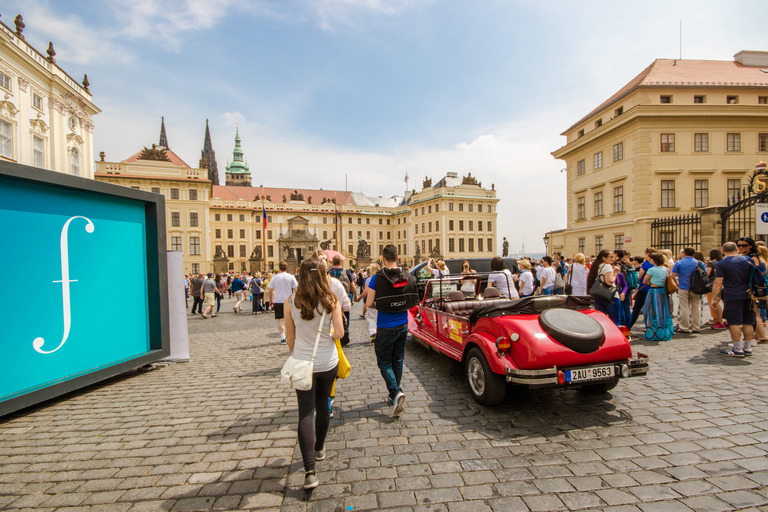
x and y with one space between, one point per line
738 219
677 233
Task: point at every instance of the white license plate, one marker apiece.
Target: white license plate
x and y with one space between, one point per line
584 374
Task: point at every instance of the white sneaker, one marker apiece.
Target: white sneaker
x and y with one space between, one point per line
399 403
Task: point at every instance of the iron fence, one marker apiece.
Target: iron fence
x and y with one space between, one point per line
677 233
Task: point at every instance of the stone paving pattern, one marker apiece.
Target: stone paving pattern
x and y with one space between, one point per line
219 433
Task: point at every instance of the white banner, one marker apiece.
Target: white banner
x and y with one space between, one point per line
177 309
761 219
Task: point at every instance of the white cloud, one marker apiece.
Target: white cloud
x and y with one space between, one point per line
348 13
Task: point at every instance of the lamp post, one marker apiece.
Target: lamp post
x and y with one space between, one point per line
546 243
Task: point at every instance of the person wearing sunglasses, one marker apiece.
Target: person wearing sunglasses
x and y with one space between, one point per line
748 247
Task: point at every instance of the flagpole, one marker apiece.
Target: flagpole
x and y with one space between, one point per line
336 221
263 230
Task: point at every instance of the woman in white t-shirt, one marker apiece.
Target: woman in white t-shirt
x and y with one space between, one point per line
526 279
438 269
303 313
577 275
502 279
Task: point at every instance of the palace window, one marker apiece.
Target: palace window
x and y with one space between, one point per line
229 217
732 100
218 233
598 244
242 233
471 225
429 227
450 207
193 195
619 111
598 160
193 219
599 123
325 235
580 168
175 195
461 207
665 99
416 229
598 204
479 225
701 193
368 220
422 210
437 225
175 243
451 245
699 99
489 225
470 206
490 245
450 225
734 188
38 151
258 235
667 193
359 220
437 209
580 133
701 142
734 141
461 225
5 81
618 241
368 235
155 190
270 252
762 141
490 208
175 219
428 246
471 245
230 233
242 217
37 101
762 100
423 246
429 209
269 234
479 245
582 245
461 245
618 199
389 235
74 161
194 245
618 152
242 251
231 251
667 142
195 268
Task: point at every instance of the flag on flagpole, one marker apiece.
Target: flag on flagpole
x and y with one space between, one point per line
264 215
406 178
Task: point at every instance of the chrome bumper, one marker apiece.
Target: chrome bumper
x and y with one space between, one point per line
548 376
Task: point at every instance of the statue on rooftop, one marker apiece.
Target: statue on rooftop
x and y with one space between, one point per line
19 22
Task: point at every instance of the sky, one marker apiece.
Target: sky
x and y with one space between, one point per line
356 94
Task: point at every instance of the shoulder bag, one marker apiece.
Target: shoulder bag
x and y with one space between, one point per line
601 290
297 372
671 284
568 286
344 366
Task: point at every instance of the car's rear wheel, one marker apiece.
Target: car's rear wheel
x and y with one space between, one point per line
487 387
600 388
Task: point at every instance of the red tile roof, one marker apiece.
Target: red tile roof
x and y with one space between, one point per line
233 193
687 73
173 157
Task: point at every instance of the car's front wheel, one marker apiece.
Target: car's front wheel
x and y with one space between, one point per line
600 388
487 387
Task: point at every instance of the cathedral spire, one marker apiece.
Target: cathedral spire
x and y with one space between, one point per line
163 137
208 157
238 173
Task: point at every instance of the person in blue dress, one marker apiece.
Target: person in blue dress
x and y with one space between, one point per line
658 321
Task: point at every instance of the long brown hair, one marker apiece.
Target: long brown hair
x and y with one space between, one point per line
314 289
592 277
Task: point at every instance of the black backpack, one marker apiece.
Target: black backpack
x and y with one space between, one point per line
396 290
700 283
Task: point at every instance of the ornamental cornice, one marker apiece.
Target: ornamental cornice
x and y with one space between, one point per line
8 109
75 138
23 84
38 126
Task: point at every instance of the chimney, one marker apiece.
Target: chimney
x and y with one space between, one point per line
752 58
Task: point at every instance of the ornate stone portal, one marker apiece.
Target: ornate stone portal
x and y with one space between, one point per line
295 244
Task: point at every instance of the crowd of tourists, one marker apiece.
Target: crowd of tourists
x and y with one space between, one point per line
663 287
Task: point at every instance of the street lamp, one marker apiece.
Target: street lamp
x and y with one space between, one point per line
546 242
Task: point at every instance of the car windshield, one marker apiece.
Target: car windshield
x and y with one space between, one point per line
442 288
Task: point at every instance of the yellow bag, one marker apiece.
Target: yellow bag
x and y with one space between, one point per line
344 366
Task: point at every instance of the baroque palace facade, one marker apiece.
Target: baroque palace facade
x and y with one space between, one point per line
46 117
222 227
681 136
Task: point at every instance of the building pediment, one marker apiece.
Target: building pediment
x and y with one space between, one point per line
73 137
38 125
8 109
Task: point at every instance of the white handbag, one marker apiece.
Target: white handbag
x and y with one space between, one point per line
297 372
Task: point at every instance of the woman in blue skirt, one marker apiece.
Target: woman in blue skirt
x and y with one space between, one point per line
658 321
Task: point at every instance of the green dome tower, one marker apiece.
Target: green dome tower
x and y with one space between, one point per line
237 173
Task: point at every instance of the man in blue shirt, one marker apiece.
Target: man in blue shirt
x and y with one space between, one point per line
732 275
391 326
642 292
683 271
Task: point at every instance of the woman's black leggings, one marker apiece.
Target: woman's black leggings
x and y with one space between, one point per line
315 399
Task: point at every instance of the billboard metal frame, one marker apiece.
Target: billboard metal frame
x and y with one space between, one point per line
157 278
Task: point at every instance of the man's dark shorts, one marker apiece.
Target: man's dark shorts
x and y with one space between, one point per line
739 312
278 311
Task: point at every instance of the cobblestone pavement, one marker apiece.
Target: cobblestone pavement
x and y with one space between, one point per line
219 433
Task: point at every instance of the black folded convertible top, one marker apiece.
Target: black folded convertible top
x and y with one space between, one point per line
532 306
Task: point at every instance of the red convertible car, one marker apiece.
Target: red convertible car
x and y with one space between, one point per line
540 341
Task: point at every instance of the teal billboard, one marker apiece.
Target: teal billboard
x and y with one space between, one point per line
85 264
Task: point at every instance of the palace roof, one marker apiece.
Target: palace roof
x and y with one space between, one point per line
232 193
687 73
173 157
